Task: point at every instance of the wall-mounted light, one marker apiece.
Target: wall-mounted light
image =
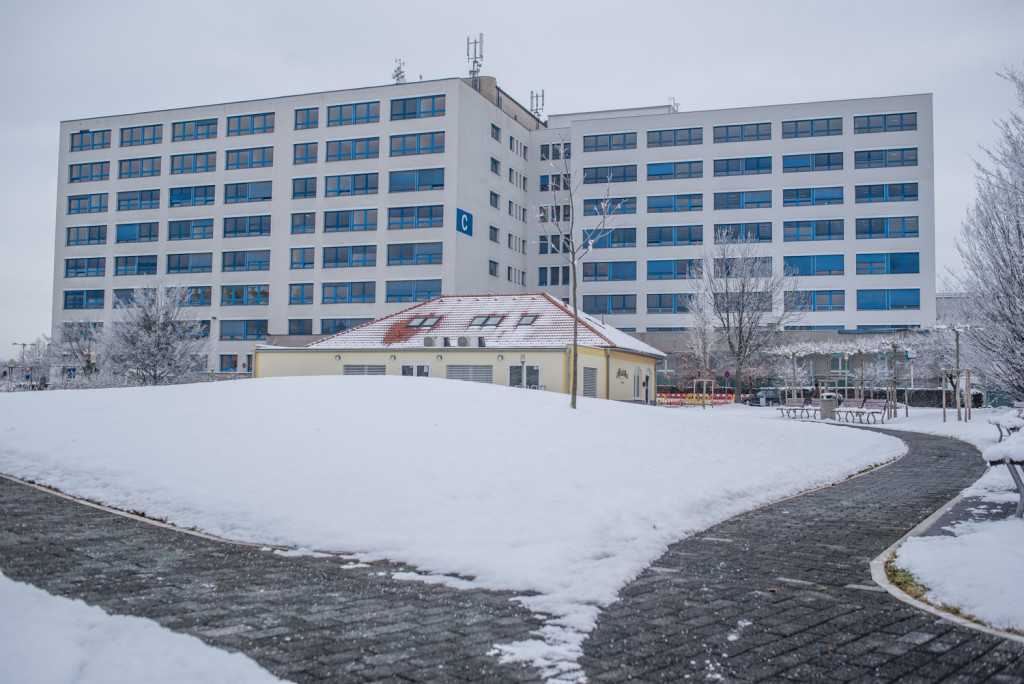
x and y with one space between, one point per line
500 357
392 357
337 357
438 357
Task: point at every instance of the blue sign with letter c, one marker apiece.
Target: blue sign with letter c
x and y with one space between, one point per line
463 222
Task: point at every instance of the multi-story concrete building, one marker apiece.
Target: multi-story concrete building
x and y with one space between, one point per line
309 214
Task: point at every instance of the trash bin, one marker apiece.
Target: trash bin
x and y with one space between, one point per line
828 408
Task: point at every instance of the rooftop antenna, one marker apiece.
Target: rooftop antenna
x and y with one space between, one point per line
675 105
475 56
537 103
399 73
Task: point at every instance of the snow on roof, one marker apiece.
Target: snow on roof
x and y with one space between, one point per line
502 320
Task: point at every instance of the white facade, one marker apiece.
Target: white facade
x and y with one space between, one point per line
490 155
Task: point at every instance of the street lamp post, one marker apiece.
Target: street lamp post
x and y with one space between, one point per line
522 369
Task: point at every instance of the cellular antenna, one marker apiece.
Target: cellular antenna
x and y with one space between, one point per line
537 103
475 56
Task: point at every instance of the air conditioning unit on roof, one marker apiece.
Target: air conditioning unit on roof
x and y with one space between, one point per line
463 341
429 341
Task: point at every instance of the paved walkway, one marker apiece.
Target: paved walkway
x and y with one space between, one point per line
781 592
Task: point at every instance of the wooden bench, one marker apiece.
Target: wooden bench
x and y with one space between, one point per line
1015 463
871 411
815 407
1009 422
793 408
849 408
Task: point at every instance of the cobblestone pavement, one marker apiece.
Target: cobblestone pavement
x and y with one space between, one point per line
785 592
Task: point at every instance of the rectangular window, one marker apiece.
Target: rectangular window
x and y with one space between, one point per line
351 184
891 192
137 232
417 143
87 204
349 293
257 191
495 199
609 174
81 268
743 132
228 363
304 222
251 124
743 232
250 158
308 117
244 330
200 129
355 148
350 114
610 207
138 199
90 171
303 188
812 128
675 170
877 159
350 256
675 269
349 220
806 197
751 199
300 326
86 235
192 196
888 300
884 123
605 239
199 262
669 303
609 141
83 299
493 235
246 226
412 290
197 295
596 305
300 293
90 140
415 179
814 265
193 229
492 267
802 231
675 137
244 295
414 253
254 260
304 153
756 267
888 263
887 227
333 326
496 132
142 135
609 270
824 161
744 166
199 162
135 265
815 300
417 107
664 236
432 216
302 257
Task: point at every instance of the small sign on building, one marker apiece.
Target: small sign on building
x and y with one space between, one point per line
463 222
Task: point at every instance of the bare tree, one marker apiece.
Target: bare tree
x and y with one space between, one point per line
75 348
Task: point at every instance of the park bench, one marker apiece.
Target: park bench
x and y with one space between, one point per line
1009 422
849 409
1015 463
793 408
815 407
871 411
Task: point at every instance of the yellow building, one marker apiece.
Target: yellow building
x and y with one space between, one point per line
515 340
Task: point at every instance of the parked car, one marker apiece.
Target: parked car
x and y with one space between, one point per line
771 397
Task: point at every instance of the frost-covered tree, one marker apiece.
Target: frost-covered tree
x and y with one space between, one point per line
991 245
75 348
155 338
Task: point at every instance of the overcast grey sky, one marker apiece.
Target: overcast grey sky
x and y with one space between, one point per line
68 60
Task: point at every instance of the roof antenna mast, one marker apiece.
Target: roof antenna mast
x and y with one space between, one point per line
475 56
537 103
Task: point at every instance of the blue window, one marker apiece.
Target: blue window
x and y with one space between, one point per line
198 262
197 295
609 270
333 326
883 123
228 363
308 117
300 326
251 124
244 330
87 204
304 222
888 300
892 192
244 295
669 303
596 305
888 263
86 235
193 196
744 166
815 300
350 219
138 199
350 256
611 206
300 293
80 268
356 148
887 227
415 179
743 266
743 232
193 229
351 184
877 159
675 137
823 161
83 299
812 128
250 158
412 290
303 188
675 170
257 191
557 181
814 265
304 153
90 171
802 231
605 239
200 129
253 260
349 114
199 162
670 203
90 140
246 226
142 135
137 232
135 265
401 218
417 107
415 253
743 132
750 199
806 197
350 293
609 174
674 269
302 257
609 141
663 236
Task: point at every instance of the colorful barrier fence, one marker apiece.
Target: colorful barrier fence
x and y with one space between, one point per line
694 399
